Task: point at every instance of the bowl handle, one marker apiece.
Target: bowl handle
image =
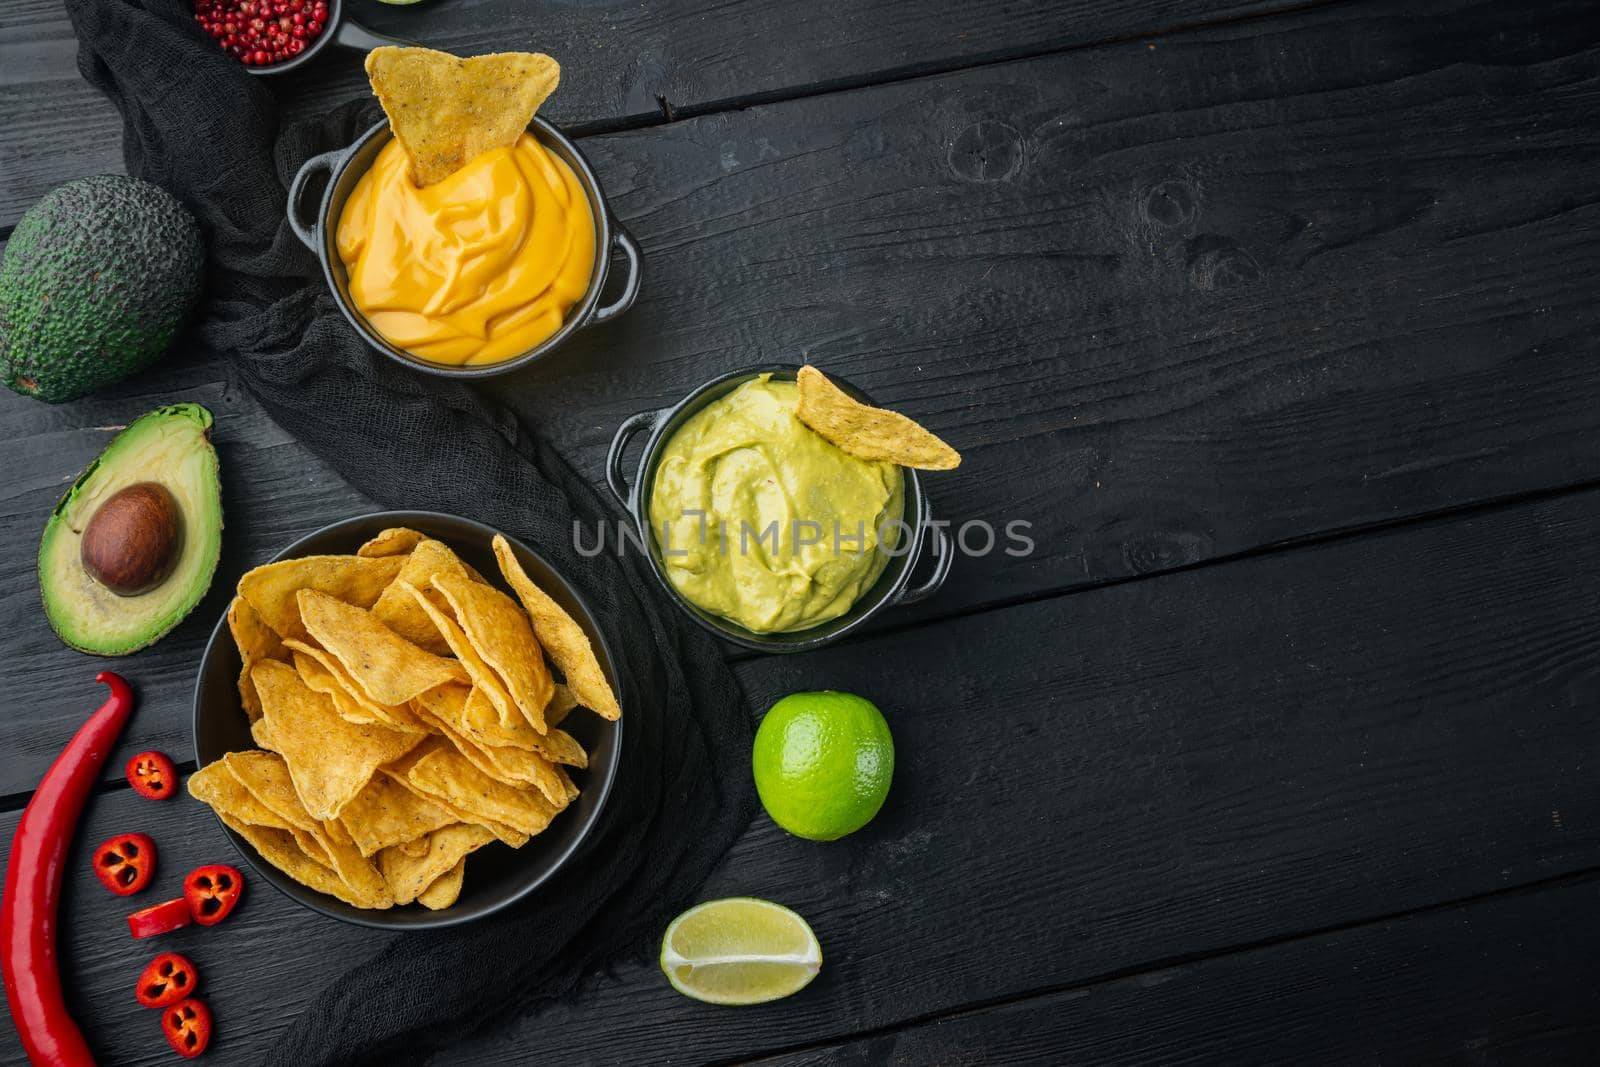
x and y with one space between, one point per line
943 557
352 34
621 239
323 164
619 444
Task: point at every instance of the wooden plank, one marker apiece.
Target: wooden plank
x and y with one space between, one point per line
623 62
1506 979
1164 769
1172 303
1145 772
1388 362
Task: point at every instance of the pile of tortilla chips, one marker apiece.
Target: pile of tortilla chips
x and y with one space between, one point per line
407 714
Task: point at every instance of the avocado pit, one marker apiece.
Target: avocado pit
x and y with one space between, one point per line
132 540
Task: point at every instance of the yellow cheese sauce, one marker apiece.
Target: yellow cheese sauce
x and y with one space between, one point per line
477 268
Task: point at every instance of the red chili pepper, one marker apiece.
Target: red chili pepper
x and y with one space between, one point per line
152 775
212 892
161 919
187 1025
125 863
32 894
168 979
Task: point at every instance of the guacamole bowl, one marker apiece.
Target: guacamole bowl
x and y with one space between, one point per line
341 170
891 587
497 876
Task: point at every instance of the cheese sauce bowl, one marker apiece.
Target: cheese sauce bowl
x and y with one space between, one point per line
920 534
344 168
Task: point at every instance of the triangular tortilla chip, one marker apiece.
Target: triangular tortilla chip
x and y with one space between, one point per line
387 813
562 701
272 589
322 672
395 541
256 641
446 111
330 759
409 875
563 639
280 849
217 786
446 889
514 766
400 771
387 667
558 746
400 612
360 875
500 634
483 676
867 432
450 776
468 712
267 779
319 678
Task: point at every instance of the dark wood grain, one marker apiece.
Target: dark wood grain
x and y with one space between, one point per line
252 996
622 62
1167 768
1420 335
1511 980
1172 303
1085 785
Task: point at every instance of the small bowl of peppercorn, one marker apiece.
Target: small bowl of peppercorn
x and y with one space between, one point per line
277 36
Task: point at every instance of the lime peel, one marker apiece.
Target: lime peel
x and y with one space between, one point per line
823 763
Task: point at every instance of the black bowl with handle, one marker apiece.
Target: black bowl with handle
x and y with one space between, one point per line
344 167
339 31
497 876
893 587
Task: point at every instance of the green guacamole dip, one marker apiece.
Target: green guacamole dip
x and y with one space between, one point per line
790 526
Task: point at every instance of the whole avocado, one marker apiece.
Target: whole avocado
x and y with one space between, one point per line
97 280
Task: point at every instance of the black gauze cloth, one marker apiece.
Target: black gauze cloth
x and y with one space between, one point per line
199 126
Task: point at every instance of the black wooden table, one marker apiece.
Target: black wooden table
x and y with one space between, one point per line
1278 320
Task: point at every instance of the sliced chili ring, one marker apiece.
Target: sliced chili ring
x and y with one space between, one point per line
169 978
152 775
187 1026
125 863
161 919
212 892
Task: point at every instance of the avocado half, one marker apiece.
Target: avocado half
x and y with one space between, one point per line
171 447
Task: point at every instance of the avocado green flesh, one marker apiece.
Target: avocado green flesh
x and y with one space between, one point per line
170 446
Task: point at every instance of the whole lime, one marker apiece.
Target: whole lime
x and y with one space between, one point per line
822 763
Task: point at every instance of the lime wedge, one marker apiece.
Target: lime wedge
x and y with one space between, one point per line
739 951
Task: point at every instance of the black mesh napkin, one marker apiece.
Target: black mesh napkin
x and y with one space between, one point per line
197 125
